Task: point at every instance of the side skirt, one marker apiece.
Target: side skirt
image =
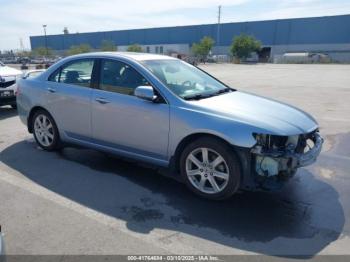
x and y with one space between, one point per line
116 149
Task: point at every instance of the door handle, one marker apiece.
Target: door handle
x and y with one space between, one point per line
51 90
102 100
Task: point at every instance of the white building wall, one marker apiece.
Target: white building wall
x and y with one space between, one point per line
337 52
166 49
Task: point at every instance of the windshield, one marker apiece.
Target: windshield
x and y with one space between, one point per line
185 80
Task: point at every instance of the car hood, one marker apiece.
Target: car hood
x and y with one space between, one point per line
267 115
9 71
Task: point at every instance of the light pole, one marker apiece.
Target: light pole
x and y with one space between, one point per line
47 51
218 29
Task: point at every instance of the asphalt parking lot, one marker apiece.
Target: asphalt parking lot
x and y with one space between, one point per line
80 201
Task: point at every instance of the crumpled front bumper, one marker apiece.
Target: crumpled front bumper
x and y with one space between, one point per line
273 168
296 159
310 156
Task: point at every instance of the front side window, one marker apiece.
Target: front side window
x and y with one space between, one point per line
185 80
75 73
120 78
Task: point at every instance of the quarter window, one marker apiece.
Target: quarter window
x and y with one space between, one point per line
120 78
55 77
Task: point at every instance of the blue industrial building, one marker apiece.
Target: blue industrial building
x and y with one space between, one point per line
330 35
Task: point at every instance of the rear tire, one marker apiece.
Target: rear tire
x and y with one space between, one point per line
210 168
45 131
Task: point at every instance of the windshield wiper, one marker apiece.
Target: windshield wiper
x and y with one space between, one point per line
221 91
201 96
195 97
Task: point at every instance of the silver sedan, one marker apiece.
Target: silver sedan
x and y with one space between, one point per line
164 111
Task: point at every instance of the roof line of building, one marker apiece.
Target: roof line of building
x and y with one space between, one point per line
186 26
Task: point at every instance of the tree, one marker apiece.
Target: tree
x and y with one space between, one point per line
135 48
79 49
25 53
42 51
203 48
107 45
243 45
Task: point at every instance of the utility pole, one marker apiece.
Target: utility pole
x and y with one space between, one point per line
47 51
218 29
21 44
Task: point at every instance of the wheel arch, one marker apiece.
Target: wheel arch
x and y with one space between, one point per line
175 159
31 115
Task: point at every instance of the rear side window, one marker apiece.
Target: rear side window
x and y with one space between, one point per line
120 78
75 73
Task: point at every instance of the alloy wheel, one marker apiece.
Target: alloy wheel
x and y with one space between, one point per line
207 170
44 130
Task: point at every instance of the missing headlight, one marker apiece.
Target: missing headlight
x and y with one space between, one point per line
273 143
275 155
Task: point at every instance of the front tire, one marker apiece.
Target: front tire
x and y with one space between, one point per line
45 131
210 168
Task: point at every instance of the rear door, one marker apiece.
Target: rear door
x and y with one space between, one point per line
69 95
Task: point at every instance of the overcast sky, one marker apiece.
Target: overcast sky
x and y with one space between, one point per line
20 19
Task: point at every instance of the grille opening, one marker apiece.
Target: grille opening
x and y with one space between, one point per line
7 84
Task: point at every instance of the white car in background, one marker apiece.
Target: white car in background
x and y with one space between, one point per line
8 85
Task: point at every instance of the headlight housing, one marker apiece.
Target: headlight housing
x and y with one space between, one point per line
269 143
285 144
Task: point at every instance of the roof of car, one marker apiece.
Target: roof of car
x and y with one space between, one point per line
131 55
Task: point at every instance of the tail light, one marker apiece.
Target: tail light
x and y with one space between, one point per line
17 91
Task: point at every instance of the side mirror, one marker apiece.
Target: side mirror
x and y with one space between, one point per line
145 93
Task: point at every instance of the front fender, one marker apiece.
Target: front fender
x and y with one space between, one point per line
186 122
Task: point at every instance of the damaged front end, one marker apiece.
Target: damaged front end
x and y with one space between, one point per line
276 158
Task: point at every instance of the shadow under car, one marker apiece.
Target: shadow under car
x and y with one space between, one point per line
285 223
